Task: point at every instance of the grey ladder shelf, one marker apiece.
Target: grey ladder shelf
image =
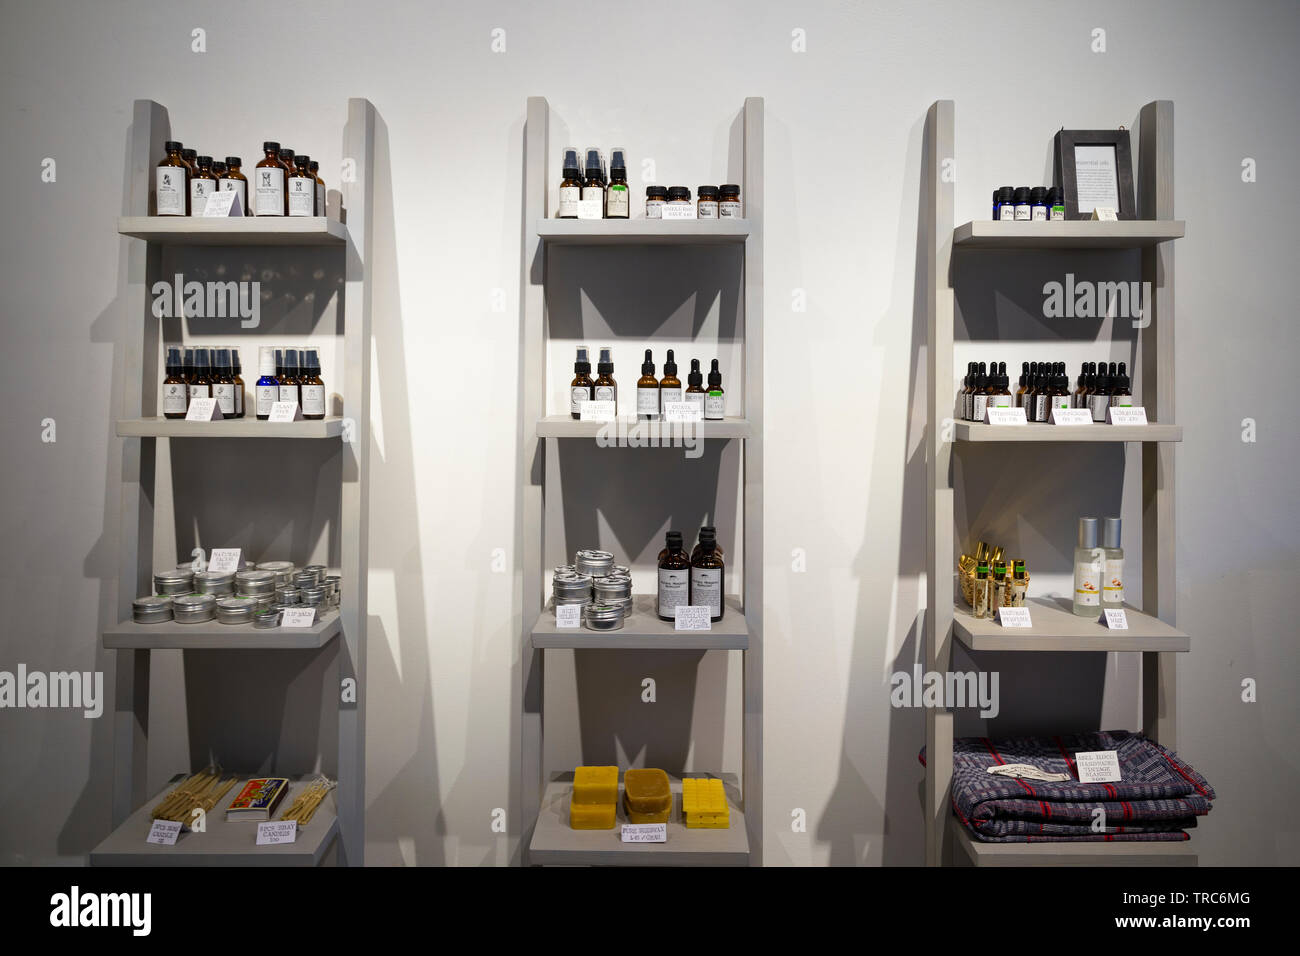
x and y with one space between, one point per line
347 232
544 834
1152 634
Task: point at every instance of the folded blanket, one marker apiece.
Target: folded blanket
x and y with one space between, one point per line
1154 799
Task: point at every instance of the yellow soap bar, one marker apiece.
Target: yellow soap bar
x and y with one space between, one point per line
591 816
595 786
704 805
647 791
658 816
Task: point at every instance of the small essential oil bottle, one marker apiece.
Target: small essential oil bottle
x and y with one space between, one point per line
729 202
1121 395
1061 397
218 170
670 386
679 196
238 379
706 205
606 389
714 402
289 383
1020 391
980 394
618 198
286 158
172 183
968 389
707 576
995 205
1024 211
1006 208
1038 204
655 197
302 188
267 390
201 380
235 181
223 382
582 388
1000 390
202 185
1077 395
1055 204
176 393
1019 583
998 587
268 182
311 387
570 185
695 393
593 187
1099 397
674 577
314 168
187 368
647 392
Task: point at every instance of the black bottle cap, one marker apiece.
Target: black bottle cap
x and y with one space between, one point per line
618 172
983 368
694 377
1037 194
270 145
173 146
234 161
604 368
234 360
1113 370
729 189
286 154
710 191
670 366
1006 193
218 167
313 166
1002 368
656 192
290 361
674 540
301 159
715 377
648 366
174 363
1054 197
1022 194
678 192
205 161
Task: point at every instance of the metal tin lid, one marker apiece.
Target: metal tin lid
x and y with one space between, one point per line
622 569
612 587
320 569
288 595
279 567
175 574
255 577
151 603
214 577
266 618
570 583
193 602
593 554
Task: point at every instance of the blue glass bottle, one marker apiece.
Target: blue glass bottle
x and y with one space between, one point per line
267 388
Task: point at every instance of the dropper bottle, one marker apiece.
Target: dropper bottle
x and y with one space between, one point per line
618 199
581 389
714 403
647 392
980 397
570 186
670 386
1121 395
1024 378
606 388
1000 390
1099 398
695 393
175 399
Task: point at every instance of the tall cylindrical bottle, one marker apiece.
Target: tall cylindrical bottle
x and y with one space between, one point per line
1088 561
674 577
1112 590
708 577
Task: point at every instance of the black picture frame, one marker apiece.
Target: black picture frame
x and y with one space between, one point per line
1064 170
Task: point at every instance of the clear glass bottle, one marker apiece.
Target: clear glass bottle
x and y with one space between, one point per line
998 589
647 392
1112 591
980 593
708 573
570 185
674 577
606 389
232 180
267 389
715 404
176 393
172 182
582 388
1019 583
618 198
1088 561
202 185
268 182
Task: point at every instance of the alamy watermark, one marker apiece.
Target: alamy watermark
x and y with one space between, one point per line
1097 300
627 433
949 691
56 689
208 300
75 909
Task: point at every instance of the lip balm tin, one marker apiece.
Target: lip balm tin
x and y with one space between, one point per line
266 617
313 597
173 582
254 583
319 570
613 589
214 582
288 596
334 582
603 617
595 563
569 587
235 611
193 608
283 571
151 609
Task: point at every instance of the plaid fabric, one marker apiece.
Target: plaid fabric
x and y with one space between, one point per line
1154 800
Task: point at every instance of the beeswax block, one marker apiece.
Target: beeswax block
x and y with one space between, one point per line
647 791
704 805
591 816
595 786
659 816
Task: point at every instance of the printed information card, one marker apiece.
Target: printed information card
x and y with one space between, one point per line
1071 416
568 615
163 833
692 618
683 412
1014 616
596 411
1004 416
1126 415
1098 766
224 560
298 617
274 832
1115 619
645 833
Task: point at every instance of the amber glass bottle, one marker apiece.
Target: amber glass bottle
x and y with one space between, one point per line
606 388
172 183
191 160
233 180
201 382
302 188
314 168
674 577
202 185
647 391
311 386
582 388
288 379
238 378
670 386
269 197
176 392
708 576
695 393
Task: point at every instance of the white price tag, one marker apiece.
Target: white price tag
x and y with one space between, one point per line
591 209
568 615
223 204
1098 766
285 412
1071 416
277 831
1014 616
683 412
1104 214
203 410
225 560
597 411
1004 416
678 210
1115 619
298 617
692 618
645 833
1126 415
163 833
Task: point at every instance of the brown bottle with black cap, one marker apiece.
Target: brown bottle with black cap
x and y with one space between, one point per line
269 177
302 188
647 392
708 576
674 577
172 182
233 180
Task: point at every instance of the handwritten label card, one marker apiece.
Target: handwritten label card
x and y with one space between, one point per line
591 209
224 560
1126 415
275 832
683 412
678 210
645 833
1098 766
597 411
298 617
163 833
1115 619
285 412
692 618
1014 616
223 204
203 410
1004 416
568 615
1071 416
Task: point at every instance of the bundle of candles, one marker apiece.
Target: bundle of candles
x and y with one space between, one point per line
200 791
304 805
989 581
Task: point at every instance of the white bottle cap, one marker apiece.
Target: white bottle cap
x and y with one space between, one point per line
266 360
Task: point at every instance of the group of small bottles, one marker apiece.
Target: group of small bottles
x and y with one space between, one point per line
284 183
1044 386
696 579
651 394
1098 571
1028 204
715 202
286 375
998 584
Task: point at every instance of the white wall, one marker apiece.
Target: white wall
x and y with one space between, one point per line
844 480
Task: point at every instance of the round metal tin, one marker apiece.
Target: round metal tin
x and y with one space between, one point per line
603 617
235 610
214 582
151 610
193 608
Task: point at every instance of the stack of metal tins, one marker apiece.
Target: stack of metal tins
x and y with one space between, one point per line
613 589
570 587
258 586
180 581
236 610
216 583
314 597
593 563
334 583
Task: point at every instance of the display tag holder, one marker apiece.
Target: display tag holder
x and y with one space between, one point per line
285 412
1004 416
683 412
1104 214
298 617
597 411
276 832
678 211
203 410
568 615
1014 616
1071 416
1126 415
591 209
222 204
224 560
1115 619
690 617
645 833
164 833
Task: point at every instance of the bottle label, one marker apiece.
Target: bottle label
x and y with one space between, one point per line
1113 589
967 405
289 393
1121 401
1040 408
320 200
705 209
606 393
1060 401
674 590
200 391
1022 213
169 183
313 399
577 395
1098 404
706 589
302 196
239 400
654 208
175 398
672 393
569 196
1087 583
239 186
1057 214
647 401
593 192
1040 214
714 406
999 401
616 202
200 190
267 395
225 396
695 398
981 403
729 209
1006 212
269 194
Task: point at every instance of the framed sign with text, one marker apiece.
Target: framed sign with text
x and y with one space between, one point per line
1094 168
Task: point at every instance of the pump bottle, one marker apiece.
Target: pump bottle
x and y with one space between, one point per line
581 389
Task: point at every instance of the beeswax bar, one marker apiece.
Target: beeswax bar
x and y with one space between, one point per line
595 785
647 791
658 816
704 805
591 816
